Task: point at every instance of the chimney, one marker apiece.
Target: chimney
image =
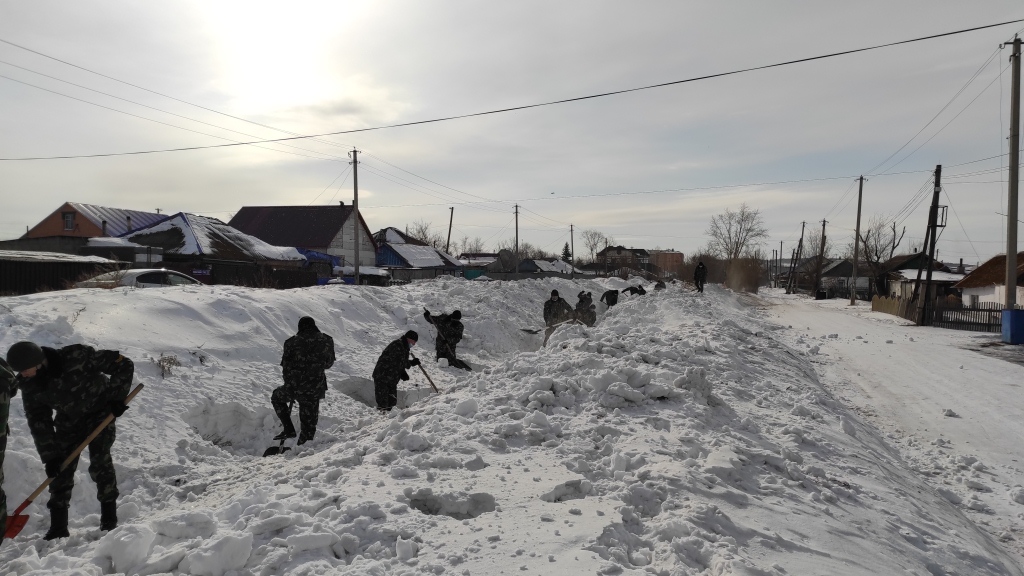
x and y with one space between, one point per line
129 218
960 268
342 202
104 227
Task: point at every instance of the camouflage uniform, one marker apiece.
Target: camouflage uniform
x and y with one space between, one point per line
585 309
79 383
391 367
7 391
306 356
556 311
449 334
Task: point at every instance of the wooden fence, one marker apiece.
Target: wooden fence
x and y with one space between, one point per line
947 313
902 307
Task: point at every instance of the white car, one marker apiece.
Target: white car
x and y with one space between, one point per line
139 278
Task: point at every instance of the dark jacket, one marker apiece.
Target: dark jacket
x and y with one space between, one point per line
610 297
448 329
306 356
556 311
78 383
393 362
7 391
700 273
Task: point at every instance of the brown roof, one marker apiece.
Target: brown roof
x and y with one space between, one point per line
311 227
992 273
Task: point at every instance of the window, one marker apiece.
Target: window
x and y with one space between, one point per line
176 280
152 278
69 220
974 301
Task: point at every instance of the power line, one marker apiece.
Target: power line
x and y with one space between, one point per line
517 108
950 200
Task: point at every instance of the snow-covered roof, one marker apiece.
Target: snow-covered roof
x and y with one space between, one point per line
368 270
191 234
937 275
112 242
477 261
116 218
423 256
26 256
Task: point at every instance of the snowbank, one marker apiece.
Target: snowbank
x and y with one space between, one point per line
680 435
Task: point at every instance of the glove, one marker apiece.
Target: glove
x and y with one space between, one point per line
117 407
405 376
53 467
426 314
414 362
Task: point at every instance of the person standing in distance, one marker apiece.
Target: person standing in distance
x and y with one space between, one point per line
306 356
391 367
66 394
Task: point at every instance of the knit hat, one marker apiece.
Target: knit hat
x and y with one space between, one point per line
412 335
554 292
457 315
306 323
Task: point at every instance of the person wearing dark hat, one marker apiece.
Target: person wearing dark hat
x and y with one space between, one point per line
66 393
306 356
556 310
449 334
391 367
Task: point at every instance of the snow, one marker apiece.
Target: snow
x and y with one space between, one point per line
23 255
420 256
117 242
937 275
683 434
350 270
204 235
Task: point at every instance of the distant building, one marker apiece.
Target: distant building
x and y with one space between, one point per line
410 259
987 283
669 262
326 229
67 229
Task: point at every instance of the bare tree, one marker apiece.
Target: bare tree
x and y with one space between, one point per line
422 231
734 234
878 245
595 240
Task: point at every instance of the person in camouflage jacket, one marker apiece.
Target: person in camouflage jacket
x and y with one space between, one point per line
306 356
449 334
7 391
391 367
66 393
557 310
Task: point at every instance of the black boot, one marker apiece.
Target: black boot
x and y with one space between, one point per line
288 433
108 515
58 524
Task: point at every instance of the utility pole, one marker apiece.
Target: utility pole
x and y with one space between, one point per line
778 267
517 239
355 212
572 254
821 260
792 285
1011 204
451 216
931 236
856 245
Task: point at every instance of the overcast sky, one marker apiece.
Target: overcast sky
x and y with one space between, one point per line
649 168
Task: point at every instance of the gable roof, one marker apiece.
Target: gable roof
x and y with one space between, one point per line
191 234
992 273
299 226
424 256
392 235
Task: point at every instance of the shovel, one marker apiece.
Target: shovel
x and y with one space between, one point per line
280 448
17 521
426 375
538 330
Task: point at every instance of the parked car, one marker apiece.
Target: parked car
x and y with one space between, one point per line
139 278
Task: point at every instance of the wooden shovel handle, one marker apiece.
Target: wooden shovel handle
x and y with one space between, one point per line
67 461
425 374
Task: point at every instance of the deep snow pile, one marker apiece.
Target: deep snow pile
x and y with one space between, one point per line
678 436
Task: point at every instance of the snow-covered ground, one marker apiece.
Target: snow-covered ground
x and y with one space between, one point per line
683 434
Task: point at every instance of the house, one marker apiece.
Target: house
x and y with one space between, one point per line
669 262
901 283
556 266
397 251
987 283
216 253
836 275
69 227
326 229
475 264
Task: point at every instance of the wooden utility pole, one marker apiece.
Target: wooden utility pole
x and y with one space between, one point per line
821 259
1011 204
930 237
778 267
856 245
792 285
355 213
451 216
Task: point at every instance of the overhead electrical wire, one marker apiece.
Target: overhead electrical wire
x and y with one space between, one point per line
522 107
966 235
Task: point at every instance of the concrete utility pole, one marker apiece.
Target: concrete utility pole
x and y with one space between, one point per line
856 245
517 239
355 213
451 216
1011 204
572 254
